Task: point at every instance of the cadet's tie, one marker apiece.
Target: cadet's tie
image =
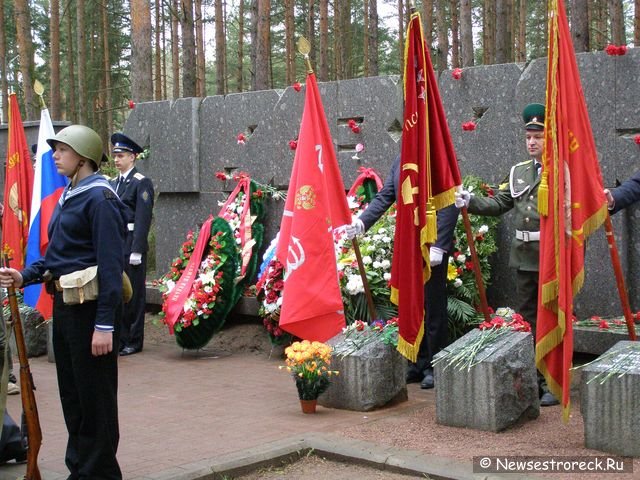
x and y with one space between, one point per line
538 169
120 185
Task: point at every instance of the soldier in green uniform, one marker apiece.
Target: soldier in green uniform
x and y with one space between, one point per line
520 193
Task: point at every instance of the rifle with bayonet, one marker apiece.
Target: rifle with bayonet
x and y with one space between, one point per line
29 407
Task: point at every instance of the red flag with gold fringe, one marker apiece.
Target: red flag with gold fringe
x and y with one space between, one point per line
316 203
18 186
572 206
428 177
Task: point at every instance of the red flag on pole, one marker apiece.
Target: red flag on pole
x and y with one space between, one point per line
428 177
18 185
316 203
571 203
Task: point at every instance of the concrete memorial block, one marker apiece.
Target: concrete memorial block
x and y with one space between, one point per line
610 401
369 377
596 341
494 393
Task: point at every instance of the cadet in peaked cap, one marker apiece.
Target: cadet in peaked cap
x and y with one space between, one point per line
520 193
533 116
136 192
122 143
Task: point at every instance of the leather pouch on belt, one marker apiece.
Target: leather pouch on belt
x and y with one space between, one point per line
80 286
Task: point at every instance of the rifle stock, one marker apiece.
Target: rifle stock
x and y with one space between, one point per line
29 407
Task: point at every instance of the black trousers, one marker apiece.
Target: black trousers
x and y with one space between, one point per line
88 391
527 290
436 335
132 332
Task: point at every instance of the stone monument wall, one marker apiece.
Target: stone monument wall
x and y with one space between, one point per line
192 138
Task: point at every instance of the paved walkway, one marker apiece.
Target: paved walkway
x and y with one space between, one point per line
177 409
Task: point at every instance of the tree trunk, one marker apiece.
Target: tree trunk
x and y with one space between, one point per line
175 49
311 34
443 37
489 32
82 62
263 47
466 33
521 50
54 85
346 61
636 23
323 71
427 15
4 87
289 32
598 20
141 53
72 112
618 36
455 34
221 51
239 77
580 25
158 53
510 28
373 38
501 31
201 81
337 40
365 38
401 35
25 50
107 69
188 50
254 42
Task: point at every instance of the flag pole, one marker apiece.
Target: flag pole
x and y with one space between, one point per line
304 47
484 306
617 270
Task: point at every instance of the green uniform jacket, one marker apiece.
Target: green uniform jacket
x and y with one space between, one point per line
521 193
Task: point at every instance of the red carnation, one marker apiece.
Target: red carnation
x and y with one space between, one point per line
603 325
351 123
637 139
468 265
469 126
297 86
132 105
622 50
221 176
293 144
355 129
241 138
456 73
611 50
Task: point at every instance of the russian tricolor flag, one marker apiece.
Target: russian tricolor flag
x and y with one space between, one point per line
48 185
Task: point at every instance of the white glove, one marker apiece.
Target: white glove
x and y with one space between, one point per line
435 256
462 198
135 258
610 201
356 228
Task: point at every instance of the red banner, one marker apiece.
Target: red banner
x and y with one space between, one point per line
246 241
429 175
182 289
365 174
316 203
571 203
18 187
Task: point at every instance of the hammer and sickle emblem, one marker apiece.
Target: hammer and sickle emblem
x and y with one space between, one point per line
408 190
295 256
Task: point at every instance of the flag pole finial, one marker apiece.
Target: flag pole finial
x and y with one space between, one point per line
304 47
39 89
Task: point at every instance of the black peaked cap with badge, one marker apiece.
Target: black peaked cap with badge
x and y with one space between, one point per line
533 116
122 143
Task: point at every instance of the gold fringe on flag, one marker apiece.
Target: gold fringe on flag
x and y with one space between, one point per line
543 195
408 350
432 228
444 199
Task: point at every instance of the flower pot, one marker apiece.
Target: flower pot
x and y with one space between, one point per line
309 406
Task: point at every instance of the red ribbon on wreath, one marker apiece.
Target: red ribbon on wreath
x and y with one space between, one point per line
246 241
180 293
365 174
